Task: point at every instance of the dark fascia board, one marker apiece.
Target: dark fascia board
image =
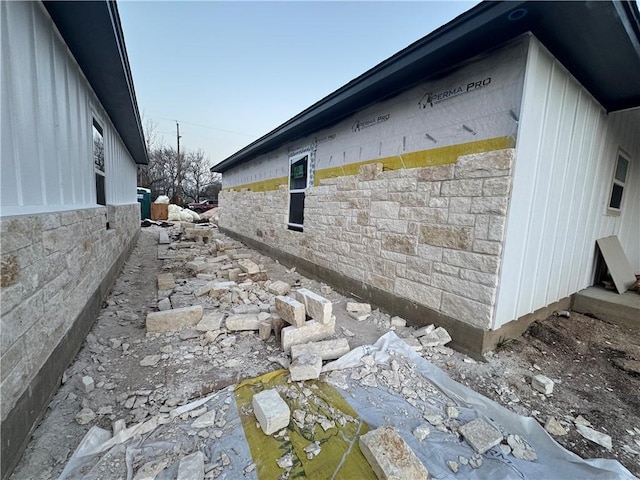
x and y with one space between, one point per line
93 33
596 41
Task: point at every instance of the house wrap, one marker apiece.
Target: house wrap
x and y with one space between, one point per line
465 180
71 141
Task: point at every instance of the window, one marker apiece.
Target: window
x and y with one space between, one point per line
298 182
618 184
98 162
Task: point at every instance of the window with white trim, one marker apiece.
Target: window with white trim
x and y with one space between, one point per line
298 183
98 162
618 184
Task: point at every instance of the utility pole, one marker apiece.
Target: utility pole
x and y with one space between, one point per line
178 192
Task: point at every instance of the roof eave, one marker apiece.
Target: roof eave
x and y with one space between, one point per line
93 33
479 29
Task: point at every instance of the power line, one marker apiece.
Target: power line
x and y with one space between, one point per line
210 128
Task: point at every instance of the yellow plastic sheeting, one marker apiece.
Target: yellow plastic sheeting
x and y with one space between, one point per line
340 456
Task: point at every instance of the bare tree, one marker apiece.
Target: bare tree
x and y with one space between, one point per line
197 174
161 175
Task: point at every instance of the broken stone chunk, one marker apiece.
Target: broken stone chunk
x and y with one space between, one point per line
360 317
285 461
306 367
554 428
358 307
220 288
164 304
480 435
84 416
316 306
453 466
205 420
421 332
389 455
271 411
601 439
86 384
436 338
421 431
542 384
150 360
279 287
291 311
191 467
211 321
521 449
248 266
166 281
203 290
398 322
264 330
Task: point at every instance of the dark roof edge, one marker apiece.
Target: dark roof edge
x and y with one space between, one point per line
484 26
104 63
469 17
122 46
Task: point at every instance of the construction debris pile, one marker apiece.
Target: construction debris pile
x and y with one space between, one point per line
217 319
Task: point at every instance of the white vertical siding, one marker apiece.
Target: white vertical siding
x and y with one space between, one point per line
566 153
47 162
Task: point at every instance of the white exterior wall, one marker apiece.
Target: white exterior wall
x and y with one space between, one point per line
47 108
566 153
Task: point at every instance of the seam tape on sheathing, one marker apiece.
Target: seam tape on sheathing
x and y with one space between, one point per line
424 158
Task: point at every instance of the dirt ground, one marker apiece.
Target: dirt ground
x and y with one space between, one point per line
591 362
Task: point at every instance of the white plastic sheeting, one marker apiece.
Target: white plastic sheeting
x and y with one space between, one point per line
166 437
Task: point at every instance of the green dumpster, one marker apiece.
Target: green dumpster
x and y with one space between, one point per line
144 199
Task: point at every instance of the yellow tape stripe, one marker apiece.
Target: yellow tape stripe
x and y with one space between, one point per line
423 158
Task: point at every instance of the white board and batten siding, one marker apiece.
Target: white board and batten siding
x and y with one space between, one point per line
566 152
47 111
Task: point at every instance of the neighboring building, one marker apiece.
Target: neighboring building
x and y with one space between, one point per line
71 139
465 180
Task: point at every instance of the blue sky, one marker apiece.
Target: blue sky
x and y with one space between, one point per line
230 72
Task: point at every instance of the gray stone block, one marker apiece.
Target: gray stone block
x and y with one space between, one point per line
316 306
279 287
389 455
191 467
358 307
311 331
170 320
480 435
436 338
290 310
248 266
211 321
271 411
164 304
242 321
327 349
166 281
306 367
542 384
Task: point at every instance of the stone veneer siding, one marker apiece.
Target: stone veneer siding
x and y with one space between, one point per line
431 235
53 266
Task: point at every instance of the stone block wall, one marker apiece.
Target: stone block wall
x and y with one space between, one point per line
52 264
432 235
